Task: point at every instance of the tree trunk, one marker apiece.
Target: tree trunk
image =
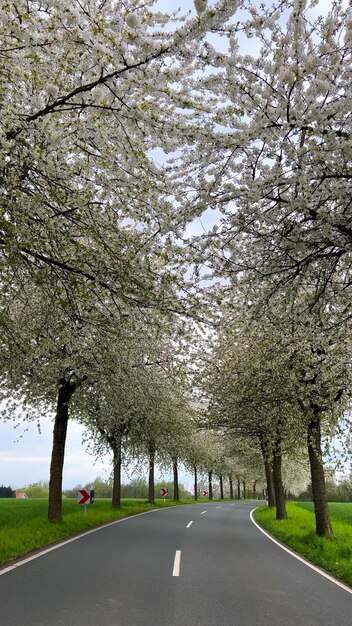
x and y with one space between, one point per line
151 499
279 489
221 488
116 488
238 489
195 483
176 489
66 389
322 519
254 490
269 483
210 484
244 489
231 488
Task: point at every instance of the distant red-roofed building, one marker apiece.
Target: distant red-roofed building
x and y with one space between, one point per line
21 496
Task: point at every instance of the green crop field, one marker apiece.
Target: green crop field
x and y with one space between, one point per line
24 526
341 511
298 532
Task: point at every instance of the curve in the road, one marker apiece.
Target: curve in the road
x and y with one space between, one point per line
300 558
22 561
227 574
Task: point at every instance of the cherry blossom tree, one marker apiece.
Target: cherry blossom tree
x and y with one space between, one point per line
115 401
52 360
249 397
46 357
161 423
87 225
282 378
275 163
195 459
91 89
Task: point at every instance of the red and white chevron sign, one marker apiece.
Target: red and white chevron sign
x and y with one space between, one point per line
85 496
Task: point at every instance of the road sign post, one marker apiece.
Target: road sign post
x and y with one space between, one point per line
83 497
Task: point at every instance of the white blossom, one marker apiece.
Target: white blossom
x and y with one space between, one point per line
200 6
52 90
133 20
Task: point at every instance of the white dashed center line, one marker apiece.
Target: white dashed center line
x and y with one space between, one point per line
202 513
189 524
177 563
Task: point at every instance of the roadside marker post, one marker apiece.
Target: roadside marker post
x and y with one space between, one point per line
164 492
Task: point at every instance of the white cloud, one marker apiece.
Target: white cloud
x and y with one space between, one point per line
30 460
25 455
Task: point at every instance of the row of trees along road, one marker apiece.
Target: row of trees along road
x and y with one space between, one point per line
103 289
278 169
269 386
89 236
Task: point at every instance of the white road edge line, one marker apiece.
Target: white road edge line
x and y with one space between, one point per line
202 513
219 507
177 563
189 524
64 543
300 558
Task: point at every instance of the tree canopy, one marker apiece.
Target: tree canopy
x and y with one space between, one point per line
122 129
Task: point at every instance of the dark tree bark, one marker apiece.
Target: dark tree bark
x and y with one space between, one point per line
244 489
195 483
210 484
322 518
231 488
221 488
151 498
116 488
268 468
66 389
176 489
254 489
279 489
269 483
238 489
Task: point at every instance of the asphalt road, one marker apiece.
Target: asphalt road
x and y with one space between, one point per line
229 574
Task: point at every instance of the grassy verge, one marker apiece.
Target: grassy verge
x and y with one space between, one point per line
24 527
298 532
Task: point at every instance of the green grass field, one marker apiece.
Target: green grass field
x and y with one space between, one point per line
24 526
298 532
